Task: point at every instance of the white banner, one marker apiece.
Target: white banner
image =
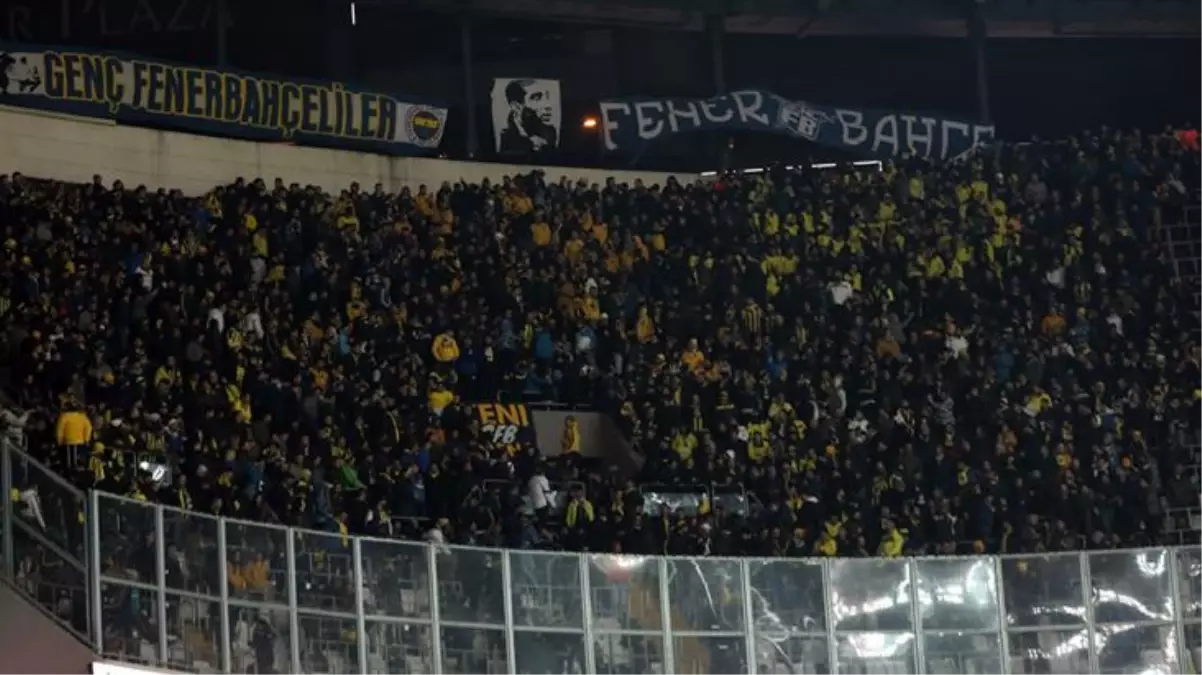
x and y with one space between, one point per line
527 116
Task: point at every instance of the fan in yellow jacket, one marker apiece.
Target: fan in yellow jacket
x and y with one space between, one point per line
570 442
445 348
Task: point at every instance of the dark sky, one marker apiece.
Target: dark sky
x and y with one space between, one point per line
1044 86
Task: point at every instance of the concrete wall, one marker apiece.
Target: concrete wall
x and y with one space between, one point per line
75 148
599 437
32 642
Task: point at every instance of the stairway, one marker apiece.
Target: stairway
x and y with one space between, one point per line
1181 234
44 606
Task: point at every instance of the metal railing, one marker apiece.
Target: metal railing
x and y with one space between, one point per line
186 591
44 544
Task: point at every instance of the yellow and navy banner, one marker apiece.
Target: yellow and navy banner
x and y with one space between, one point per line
508 424
223 102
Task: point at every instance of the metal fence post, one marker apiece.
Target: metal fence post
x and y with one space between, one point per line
586 608
6 480
665 610
293 619
920 649
1178 613
94 594
748 617
223 581
360 617
1003 616
828 608
435 613
507 598
160 581
1090 628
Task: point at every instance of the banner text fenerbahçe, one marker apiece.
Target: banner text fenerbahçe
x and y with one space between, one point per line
195 98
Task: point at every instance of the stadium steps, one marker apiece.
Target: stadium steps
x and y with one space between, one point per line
1183 239
43 612
33 641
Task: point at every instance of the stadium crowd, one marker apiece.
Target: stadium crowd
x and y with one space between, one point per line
984 356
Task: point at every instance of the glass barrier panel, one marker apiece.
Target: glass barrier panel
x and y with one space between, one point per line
791 655
625 592
328 644
734 502
862 653
324 572
473 650
1193 648
786 598
1131 586
703 654
56 584
628 653
870 596
128 540
952 653
193 633
1049 651
1043 590
705 594
957 594
399 647
469 585
1189 571
396 579
260 639
546 590
1129 648
45 504
256 562
871 607
684 503
547 653
788 616
130 622
192 558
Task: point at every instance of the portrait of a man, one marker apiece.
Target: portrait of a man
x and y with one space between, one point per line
526 115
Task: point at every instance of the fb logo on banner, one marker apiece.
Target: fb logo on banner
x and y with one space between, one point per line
801 120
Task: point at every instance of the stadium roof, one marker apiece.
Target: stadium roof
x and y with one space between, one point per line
935 18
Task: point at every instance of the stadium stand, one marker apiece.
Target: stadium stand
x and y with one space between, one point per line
871 354
992 356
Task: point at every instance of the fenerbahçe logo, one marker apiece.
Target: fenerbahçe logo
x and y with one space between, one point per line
425 127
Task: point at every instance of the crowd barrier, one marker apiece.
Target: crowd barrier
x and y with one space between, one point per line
153 585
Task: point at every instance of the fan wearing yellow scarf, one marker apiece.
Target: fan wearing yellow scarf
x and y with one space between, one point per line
759 441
